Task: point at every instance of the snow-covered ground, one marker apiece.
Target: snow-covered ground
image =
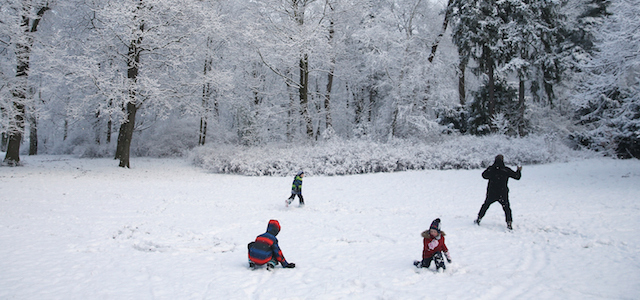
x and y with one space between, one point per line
85 229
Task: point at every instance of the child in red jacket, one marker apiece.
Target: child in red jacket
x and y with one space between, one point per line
433 247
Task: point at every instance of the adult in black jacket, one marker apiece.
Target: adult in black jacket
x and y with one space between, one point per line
498 174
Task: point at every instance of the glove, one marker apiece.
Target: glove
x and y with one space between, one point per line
289 266
448 260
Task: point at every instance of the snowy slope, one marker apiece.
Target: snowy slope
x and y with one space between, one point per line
86 229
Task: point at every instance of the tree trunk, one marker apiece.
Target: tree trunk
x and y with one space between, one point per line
65 129
12 156
109 126
97 128
120 144
291 112
362 110
126 128
327 97
203 130
33 134
521 90
394 122
33 118
304 93
359 107
461 83
4 141
298 8
548 88
23 53
445 23
492 102
348 104
33 127
206 94
16 123
126 134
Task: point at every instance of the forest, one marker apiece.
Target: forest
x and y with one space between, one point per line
333 82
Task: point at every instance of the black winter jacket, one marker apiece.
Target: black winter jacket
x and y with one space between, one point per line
498 175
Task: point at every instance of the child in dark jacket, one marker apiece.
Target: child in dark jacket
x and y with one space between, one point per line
434 246
265 249
296 189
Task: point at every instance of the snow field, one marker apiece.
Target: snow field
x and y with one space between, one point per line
85 229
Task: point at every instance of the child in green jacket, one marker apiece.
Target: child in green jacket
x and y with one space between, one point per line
296 189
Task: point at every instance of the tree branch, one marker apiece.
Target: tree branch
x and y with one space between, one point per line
288 81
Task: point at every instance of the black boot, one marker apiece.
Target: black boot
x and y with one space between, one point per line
270 266
417 263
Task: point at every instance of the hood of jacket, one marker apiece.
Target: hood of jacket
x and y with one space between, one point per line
273 227
427 235
499 161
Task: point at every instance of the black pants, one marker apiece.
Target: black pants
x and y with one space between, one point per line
504 201
437 258
293 196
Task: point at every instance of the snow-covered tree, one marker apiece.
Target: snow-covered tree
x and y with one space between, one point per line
609 102
393 87
412 75
19 22
138 54
290 43
479 36
517 38
532 38
220 50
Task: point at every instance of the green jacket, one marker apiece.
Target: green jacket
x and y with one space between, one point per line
296 188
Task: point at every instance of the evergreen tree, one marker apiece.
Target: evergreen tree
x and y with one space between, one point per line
532 40
479 36
609 102
516 37
482 122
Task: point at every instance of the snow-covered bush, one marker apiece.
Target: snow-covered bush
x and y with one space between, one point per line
340 157
168 139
